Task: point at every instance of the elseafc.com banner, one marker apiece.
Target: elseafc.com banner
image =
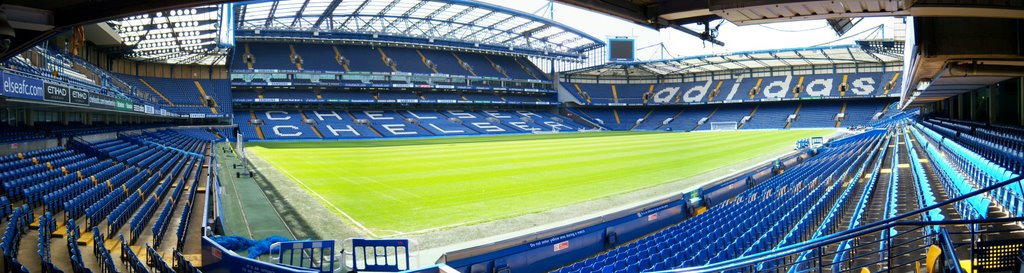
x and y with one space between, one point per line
15 86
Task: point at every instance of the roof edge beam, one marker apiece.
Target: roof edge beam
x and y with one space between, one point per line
328 12
271 15
298 14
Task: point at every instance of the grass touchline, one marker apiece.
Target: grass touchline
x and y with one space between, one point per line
401 186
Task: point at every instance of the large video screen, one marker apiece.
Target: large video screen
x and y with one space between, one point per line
621 50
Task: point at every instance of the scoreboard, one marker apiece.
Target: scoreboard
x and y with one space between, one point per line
621 49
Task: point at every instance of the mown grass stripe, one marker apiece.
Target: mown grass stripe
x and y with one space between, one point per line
410 185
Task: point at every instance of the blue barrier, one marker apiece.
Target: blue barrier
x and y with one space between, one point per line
379 255
317 255
554 248
216 259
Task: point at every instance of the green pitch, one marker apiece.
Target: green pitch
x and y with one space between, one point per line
398 186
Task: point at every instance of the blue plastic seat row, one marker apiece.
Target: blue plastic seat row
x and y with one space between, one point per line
186 215
890 202
979 171
130 151
34 194
55 199
925 194
21 172
750 221
159 227
836 199
105 260
5 207
139 221
47 225
75 254
835 214
96 212
18 157
130 260
183 225
120 215
75 207
144 157
953 181
856 219
14 188
16 226
154 259
1007 152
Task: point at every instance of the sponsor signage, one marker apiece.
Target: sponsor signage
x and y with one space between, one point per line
124 105
102 102
561 246
56 93
562 239
16 86
79 97
20 87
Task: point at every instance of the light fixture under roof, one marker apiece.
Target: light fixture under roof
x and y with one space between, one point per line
180 36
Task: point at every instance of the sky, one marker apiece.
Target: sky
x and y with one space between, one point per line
679 44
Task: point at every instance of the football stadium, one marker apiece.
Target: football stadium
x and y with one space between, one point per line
529 136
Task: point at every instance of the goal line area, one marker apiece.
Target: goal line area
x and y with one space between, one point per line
724 126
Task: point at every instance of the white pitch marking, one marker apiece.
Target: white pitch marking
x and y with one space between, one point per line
310 190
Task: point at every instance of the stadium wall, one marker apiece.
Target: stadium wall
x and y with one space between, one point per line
997 104
554 248
21 147
565 95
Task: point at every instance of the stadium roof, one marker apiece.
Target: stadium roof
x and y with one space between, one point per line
186 36
749 60
36 21
450 20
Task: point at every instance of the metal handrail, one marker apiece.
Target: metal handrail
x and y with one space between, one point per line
742 262
947 247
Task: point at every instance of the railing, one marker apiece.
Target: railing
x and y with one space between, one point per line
784 257
952 263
